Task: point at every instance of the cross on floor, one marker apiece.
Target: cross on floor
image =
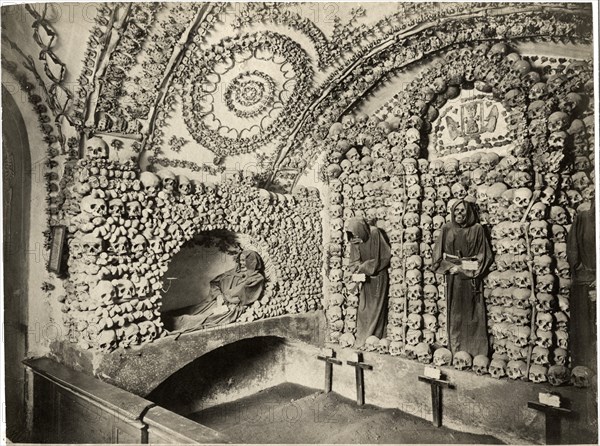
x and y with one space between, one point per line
328 355
436 397
359 368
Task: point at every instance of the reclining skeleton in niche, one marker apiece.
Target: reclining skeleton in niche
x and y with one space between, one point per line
230 294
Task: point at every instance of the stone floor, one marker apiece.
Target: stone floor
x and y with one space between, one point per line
290 413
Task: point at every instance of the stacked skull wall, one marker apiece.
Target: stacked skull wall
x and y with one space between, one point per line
527 193
125 226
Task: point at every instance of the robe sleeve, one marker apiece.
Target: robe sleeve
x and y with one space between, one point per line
438 250
248 291
482 252
354 257
573 255
253 288
380 254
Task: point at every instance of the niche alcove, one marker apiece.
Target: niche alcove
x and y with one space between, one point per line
202 258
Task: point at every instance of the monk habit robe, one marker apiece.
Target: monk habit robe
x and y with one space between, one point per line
581 253
372 258
238 288
466 316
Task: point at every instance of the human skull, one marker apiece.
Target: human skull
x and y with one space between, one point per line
481 364
151 182
116 207
538 373
371 343
558 375
581 181
516 369
558 121
92 245
413 336
560 356
538 229
544 321
414 321
522 197
347 340
462 361
383 347
96 148
582 376
396 348
540 246
557 140
558 215
103 293
497 368
540 355
94 206
545 302
442 357
543 338
423 352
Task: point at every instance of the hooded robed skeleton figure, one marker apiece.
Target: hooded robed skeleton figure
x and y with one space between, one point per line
581 253
463 254
370 255
231 292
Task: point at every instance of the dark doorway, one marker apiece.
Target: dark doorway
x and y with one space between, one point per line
16 188
222 374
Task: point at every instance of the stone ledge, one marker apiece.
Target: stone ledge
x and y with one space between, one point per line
141 369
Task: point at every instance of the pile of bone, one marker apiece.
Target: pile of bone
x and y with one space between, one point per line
125 227
103 304
292 231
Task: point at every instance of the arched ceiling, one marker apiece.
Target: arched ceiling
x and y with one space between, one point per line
207 88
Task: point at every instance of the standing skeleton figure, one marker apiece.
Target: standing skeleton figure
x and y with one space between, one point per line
370 255
463 241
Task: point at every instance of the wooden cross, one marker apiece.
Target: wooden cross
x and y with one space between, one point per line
359 368
552 415
329 357
436 397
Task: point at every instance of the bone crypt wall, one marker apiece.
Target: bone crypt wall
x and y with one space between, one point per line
278 123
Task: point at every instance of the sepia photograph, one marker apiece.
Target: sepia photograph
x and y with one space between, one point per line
299 222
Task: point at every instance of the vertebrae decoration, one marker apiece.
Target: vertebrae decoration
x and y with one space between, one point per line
378 170
126 227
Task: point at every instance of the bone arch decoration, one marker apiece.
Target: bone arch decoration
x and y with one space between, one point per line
389 169
125 226
409 47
